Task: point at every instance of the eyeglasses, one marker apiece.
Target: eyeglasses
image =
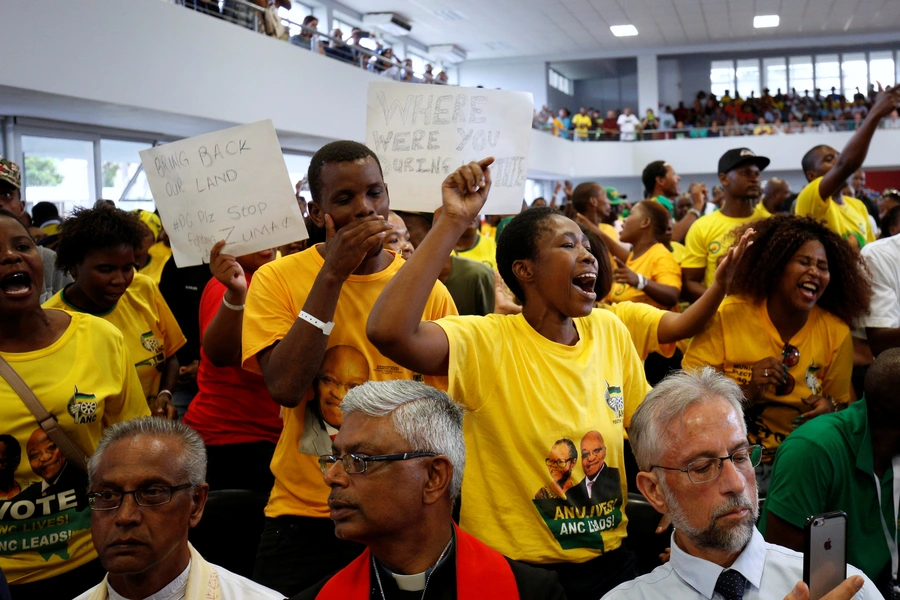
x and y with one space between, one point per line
560 464
790 356
151 495
358 463
704 470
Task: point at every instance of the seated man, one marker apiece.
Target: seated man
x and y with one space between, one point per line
147 489
396 472
832 463
690 442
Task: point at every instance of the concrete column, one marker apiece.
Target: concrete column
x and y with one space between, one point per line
648 84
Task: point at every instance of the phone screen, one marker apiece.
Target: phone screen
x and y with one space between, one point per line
825 553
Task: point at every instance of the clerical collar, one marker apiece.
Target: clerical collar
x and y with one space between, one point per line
416 582
176 589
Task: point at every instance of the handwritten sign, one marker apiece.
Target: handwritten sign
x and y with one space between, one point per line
228 185
422 133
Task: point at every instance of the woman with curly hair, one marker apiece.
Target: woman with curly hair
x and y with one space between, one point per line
784 332
97 246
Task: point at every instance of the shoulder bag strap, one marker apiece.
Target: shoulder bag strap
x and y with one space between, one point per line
48 423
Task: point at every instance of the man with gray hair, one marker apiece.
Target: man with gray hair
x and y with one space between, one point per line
396 471
147 488
690 442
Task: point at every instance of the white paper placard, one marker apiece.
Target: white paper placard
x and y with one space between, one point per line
227 185
421 133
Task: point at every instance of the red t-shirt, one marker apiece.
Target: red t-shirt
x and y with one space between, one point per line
232 405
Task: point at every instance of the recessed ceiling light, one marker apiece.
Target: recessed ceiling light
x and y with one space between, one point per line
623 30
761 21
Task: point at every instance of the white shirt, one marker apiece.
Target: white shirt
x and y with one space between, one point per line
627 124
771 572
883 260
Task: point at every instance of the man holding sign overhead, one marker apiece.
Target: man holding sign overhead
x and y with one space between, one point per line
298 308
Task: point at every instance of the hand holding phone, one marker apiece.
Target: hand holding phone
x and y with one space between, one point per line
825 553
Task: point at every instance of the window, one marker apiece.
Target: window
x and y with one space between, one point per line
747 74
295 14
775 75
881 68
561 83
828 73
721 77
59 170
418 63
855 73
800 74
297 166
345 28
124 181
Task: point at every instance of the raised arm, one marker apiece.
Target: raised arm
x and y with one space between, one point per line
679 326
290 366
667 295
699 197
855 151
396 328
222 337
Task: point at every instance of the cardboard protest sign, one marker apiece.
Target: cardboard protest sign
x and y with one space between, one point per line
227 185
422 133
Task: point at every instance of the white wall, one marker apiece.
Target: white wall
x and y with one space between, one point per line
669 82
521 75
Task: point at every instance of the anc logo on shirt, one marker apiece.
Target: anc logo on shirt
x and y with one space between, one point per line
82 407
615 401
714 247
152 344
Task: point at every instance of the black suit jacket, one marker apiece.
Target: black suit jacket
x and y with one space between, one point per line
607 486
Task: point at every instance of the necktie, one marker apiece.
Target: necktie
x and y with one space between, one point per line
589 484
731 585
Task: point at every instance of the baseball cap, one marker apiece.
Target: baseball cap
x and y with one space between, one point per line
150 220
10 173
612 194
739 156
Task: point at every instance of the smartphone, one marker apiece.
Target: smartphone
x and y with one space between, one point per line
825 553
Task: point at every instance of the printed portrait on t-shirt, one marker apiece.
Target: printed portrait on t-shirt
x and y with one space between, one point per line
578 513
10 458
343 368
48 462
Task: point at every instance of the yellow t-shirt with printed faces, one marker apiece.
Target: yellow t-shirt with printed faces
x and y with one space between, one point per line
656 264
708 240
741 334
484 251
274 300
151 332
532 402
849 220
642 322
85 379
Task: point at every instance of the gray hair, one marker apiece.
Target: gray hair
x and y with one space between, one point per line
428 419
668 401
192 458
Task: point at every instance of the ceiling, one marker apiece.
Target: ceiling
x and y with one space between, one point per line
513 28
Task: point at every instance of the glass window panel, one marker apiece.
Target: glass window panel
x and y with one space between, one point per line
828 73
60 171
775 75
747 74
881 68
345 27
295 14
418 64
721 77
855 74
800 74
297 166
119 164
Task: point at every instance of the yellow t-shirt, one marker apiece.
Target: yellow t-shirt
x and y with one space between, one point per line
642 322
677 252
760 211
525 393
849 220
159 256
488 230
611 232
151 332
274 300
741 334
582 124
656 264
484 250
86 381
708 240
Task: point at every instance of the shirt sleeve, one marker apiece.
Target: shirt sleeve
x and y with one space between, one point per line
634 381
666 271
884 308
810 203
837 380
801 477
210 302
695 250
707 348
268 316
642 321
472 382
173 337
130 402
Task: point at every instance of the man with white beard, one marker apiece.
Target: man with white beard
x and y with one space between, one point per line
696 464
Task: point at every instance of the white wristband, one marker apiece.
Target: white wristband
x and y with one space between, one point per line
642 282
232 306
325 327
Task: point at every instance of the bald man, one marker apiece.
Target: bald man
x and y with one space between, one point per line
601 482
775 193
343 368
48 462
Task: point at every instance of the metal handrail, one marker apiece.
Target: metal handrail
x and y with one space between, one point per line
251 16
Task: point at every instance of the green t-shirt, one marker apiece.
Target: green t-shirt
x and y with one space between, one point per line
827 465
667 203
471 284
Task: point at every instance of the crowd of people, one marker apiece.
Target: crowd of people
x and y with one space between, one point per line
724 116
460 405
